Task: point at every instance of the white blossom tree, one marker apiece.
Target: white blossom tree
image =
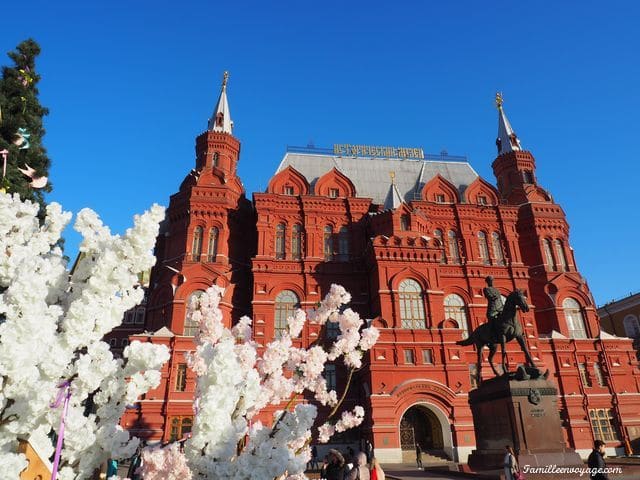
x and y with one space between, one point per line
235 382
51 329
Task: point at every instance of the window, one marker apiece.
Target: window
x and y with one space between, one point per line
280 230
140 316
473 375
286 304
498 256
482 200
180 426
438 234
631 327
128 317
124 342
288 190
334 193
296 242
527 176
440 198
328 243
330 376
483 248
333 330
411 305
455 309
113 342
600 378
546 245
427 356
212 247
454 253
409 357
574 318
343 244
181 377
562 261
604 425
216 159
196 249
404 222
586 381
191 327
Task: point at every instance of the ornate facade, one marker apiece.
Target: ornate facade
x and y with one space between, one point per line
412 240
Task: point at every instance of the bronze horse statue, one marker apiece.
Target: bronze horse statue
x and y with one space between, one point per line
507 328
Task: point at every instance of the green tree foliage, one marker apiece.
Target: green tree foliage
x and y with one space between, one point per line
20 109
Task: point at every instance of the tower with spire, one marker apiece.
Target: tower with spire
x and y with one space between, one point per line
206 239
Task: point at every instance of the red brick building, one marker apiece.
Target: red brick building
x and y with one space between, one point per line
412 239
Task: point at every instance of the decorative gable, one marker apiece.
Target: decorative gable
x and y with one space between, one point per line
440 190
335 184
289 182
481 192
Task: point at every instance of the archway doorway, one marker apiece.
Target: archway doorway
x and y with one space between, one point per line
420 426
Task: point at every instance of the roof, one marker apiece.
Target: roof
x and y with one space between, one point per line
371 177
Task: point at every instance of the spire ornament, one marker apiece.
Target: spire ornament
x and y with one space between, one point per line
225 78
499 100
507 140
221 121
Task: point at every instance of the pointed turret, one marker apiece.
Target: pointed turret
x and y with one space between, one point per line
507 140
220 121
393 199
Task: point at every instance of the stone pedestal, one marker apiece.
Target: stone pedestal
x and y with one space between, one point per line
520 413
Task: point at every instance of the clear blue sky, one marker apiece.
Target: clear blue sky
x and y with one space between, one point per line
131 84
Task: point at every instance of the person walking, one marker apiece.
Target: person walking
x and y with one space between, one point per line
313 463
511 467
376 470
335 468
419 456
323 469
596 462
359 470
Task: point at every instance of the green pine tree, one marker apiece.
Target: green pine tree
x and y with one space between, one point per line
20 109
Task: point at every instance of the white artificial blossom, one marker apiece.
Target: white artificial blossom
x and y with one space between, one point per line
51 328
235 381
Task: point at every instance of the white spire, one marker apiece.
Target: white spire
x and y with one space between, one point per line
220 121
507 140
393 199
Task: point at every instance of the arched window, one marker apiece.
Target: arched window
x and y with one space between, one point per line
191 327
343 244
280 230
216 159
455 308
286 304
404 222
438 234
212 247
411 304
483 248
196 249
328 243
631 327
454 253
562 261
296 242
498 256
180 427
548 255
575 319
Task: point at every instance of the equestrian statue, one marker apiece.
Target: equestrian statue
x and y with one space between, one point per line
501 327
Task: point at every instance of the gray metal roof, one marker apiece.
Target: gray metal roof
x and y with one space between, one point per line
371 176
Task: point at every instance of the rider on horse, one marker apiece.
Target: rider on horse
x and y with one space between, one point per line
494 305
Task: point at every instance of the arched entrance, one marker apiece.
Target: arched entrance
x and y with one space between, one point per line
421 426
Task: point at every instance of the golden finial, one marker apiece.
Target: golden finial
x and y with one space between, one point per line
393 177
499 100
225 78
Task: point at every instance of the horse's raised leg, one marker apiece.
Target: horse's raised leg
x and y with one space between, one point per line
492 352
524 348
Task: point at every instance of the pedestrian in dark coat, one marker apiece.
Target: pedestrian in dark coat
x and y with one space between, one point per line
596 462
418 455
335 469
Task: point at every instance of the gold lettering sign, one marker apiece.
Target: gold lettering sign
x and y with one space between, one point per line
374 151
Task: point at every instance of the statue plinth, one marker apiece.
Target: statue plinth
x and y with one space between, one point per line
520 413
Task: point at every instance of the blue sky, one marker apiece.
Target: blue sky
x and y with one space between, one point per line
131 84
